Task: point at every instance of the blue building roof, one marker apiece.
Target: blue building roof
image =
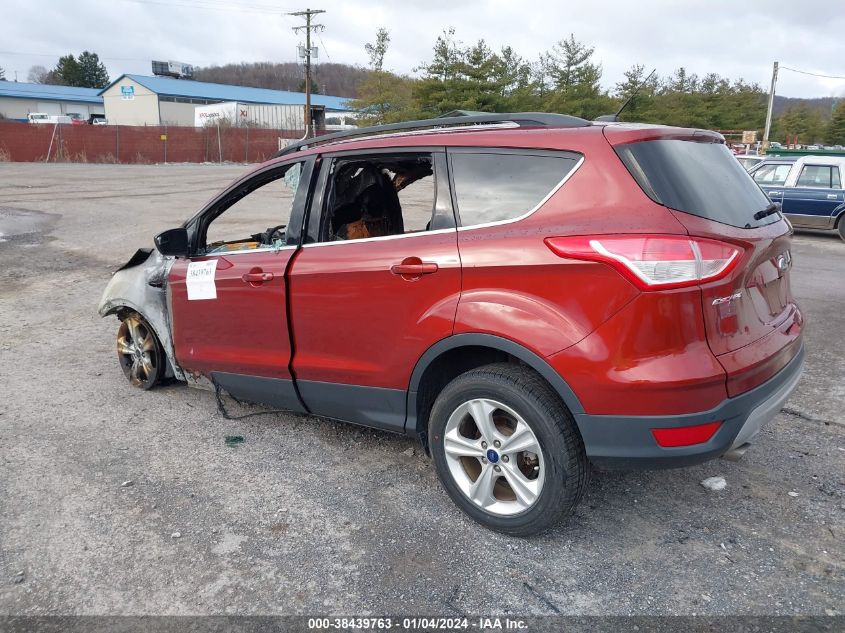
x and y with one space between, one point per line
43 92
189 88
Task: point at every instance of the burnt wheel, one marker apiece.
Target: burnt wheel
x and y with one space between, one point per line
139 352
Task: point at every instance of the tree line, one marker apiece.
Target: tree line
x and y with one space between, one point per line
340 80
567 79
85 71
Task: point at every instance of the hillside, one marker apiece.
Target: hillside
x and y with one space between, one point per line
824 105
340 80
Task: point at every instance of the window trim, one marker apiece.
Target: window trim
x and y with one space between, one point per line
450 151
315 211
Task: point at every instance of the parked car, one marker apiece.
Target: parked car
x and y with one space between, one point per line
44 118
808 189
525 299
77 119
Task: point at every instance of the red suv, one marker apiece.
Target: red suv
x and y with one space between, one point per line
525 293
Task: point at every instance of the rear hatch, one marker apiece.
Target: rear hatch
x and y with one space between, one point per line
752 322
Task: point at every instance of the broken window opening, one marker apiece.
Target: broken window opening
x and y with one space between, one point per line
379 196
256 216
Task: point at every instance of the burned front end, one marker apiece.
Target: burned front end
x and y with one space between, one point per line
139 287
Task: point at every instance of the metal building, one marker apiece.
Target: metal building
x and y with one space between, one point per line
143 100
18 99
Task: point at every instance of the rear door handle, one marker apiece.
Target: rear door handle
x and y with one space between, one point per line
775 193
257 277
832 196
412 268
423 268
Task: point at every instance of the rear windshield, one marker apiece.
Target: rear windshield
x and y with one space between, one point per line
703 179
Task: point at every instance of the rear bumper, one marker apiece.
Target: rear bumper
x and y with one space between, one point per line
627 442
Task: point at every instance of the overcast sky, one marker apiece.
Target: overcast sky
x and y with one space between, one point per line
739 38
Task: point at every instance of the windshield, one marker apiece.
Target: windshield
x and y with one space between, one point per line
700 178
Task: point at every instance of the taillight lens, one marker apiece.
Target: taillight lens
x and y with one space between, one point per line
653 262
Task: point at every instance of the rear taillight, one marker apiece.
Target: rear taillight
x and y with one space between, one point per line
653 262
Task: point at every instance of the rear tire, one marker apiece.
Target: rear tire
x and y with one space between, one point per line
507 450
841 226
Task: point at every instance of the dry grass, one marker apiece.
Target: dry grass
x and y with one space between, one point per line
109 159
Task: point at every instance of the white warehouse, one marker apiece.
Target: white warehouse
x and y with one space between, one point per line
143 100
18 99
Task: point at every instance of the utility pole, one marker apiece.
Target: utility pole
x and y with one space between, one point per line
771 107
307 14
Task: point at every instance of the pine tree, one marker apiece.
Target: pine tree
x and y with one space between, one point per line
574 80
643 93
85 72
67 71
803 121
2 74
92 72
836 129
569 67
439 90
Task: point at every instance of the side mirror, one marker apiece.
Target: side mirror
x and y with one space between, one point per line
173 242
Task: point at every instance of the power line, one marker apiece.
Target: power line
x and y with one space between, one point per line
325 50
806 72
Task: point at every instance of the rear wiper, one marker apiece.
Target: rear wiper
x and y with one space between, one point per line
772 208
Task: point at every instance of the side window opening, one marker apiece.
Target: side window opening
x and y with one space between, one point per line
257 216
815 176
378 196
493 187
773 174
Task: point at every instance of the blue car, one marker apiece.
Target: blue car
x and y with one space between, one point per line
809 189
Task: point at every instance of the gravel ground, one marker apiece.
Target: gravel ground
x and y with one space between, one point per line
309 516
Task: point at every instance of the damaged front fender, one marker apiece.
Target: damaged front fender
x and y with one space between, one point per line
140 285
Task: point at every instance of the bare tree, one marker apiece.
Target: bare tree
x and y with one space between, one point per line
38 75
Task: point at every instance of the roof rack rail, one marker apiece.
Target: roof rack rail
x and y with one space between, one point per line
522 119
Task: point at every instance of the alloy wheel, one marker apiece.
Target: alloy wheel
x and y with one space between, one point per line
494 457
138 352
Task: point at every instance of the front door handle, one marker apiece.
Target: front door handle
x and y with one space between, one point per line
256 277
832 196
413 268
775 193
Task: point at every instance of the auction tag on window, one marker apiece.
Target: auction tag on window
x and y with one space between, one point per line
200 280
